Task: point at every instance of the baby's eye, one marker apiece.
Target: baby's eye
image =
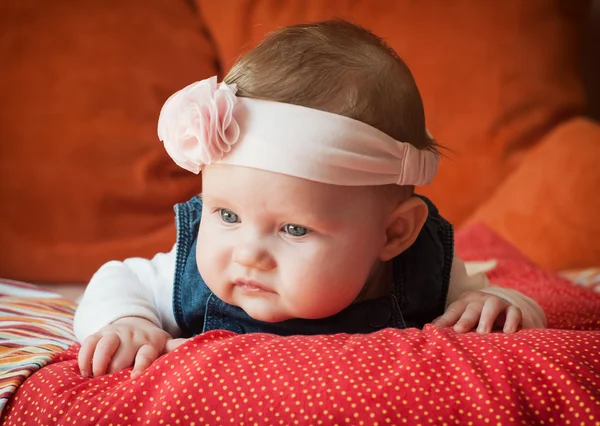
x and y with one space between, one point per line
295 230
228 216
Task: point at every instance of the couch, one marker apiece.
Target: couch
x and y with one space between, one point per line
84 179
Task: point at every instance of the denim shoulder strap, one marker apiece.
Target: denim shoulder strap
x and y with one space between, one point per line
189 290
422 272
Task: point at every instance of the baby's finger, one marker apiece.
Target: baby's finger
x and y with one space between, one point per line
452 314
144 358
86 354
173 344
514 319
492 308
105 349
469 318
124 357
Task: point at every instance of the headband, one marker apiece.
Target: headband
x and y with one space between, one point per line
206 123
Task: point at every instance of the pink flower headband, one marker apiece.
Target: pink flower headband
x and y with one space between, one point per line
206 123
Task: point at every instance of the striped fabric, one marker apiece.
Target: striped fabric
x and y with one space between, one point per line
34 325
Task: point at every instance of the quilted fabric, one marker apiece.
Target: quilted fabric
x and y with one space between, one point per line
34 326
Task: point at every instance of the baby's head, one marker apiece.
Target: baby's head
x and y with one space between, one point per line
303 207
338 67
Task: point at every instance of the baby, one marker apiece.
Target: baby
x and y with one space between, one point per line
307 224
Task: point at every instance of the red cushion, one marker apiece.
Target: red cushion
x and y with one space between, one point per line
389 377
386 377
566 306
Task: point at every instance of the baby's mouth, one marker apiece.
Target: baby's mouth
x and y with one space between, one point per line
251 286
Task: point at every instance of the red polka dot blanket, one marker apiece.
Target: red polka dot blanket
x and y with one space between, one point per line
430 377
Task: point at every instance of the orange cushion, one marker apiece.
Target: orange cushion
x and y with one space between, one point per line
84 179
83 176
548 206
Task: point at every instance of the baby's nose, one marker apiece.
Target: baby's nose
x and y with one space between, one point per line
253 255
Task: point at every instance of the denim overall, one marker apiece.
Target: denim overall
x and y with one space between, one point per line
421 275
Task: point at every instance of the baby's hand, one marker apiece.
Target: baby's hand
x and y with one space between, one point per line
126 342
477 307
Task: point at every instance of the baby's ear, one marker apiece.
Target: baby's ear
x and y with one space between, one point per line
403 227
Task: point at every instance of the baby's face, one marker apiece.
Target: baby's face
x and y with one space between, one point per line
282 247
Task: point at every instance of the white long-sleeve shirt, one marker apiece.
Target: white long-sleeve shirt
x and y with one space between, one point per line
143 288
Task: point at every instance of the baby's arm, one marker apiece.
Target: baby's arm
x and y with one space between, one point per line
126 315
473 302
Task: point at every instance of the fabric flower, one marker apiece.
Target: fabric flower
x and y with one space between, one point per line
197 125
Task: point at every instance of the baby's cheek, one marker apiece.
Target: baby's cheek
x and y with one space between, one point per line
206 259
320 294
201 262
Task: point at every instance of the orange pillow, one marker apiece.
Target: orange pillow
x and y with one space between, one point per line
84 179
83 176
496 78
549 205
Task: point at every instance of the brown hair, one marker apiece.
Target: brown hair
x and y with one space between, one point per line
339 67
